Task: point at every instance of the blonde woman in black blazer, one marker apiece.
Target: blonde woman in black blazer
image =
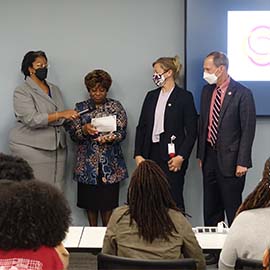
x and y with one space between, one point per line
38 136
180 121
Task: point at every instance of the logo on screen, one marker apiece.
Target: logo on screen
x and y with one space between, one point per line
258 48
248 45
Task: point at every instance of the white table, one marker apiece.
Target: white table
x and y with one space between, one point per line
73 237
91 238
211 241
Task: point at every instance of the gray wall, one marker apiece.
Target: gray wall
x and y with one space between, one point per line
121 36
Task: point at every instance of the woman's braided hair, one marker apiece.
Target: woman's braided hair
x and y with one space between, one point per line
260 197
149 200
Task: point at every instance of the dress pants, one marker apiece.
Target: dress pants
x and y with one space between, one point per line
221 194
176 179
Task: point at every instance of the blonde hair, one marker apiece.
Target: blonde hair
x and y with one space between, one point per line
170 63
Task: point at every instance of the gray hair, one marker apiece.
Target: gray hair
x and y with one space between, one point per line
219 59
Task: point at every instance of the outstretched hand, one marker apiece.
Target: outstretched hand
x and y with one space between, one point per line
68 114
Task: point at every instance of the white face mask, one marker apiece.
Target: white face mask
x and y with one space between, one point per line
211 78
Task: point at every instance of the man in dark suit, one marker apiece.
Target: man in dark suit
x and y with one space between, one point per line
226 132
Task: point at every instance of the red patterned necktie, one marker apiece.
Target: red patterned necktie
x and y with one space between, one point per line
215 118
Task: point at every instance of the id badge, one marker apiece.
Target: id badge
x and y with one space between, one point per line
171 150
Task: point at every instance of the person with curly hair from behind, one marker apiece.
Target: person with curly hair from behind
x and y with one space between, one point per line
15 168
34 220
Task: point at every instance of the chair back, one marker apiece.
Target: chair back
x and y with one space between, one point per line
115 262
248 264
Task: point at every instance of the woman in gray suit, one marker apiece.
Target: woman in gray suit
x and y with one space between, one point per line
39 136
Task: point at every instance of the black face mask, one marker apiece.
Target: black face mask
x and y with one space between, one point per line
41 73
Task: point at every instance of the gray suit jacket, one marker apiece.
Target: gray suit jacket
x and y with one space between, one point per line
236 127
31 107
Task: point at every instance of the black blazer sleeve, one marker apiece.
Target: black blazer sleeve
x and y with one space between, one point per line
199 141
248 125
190 126
141 129
203 120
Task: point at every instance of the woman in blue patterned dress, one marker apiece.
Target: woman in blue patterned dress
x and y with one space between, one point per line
100 163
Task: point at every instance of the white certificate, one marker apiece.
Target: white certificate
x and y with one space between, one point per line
105 124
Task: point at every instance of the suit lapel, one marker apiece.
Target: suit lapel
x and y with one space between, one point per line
208 100
152 106
172 96
54 98
170 102
39 91
155 100
227 99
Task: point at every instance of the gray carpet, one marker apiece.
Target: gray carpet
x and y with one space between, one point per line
82 261
88 261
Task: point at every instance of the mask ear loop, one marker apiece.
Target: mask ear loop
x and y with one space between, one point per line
216 72
162 74
219 71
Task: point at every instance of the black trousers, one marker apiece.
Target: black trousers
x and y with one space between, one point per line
175 179
221 194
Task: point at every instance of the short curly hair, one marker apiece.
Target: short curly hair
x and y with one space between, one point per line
15 168
98 77
33 214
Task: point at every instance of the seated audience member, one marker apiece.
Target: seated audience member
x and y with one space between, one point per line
150 226
15 168
266 259
34 220
248 235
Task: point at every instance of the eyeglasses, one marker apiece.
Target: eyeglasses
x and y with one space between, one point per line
40 65
157 74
